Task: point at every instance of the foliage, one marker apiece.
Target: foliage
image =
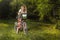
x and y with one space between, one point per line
48 10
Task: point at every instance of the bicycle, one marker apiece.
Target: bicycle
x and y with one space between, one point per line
24 27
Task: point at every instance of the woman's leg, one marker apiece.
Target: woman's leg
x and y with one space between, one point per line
18 27
17 30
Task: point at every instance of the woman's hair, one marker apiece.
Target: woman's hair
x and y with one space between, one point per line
24 8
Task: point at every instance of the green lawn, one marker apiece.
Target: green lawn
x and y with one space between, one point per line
37 31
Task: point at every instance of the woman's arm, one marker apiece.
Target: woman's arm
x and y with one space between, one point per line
19 12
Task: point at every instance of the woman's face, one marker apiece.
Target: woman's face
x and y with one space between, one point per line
22 7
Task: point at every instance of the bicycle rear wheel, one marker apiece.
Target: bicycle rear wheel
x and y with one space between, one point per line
25 29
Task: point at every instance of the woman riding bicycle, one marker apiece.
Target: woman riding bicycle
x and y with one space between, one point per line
22 15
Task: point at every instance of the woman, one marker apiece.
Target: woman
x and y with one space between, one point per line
22 11
22 15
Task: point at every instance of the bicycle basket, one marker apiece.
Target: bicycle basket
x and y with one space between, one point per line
24 16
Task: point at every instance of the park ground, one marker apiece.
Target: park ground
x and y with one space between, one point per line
36 31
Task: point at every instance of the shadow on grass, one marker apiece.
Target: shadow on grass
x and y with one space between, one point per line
37 25
32 36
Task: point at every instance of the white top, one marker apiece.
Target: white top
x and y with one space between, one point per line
19 12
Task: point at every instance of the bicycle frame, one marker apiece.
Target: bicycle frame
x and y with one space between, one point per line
21 25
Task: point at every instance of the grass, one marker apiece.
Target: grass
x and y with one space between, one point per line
37 31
